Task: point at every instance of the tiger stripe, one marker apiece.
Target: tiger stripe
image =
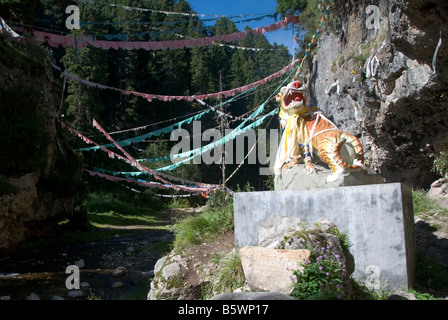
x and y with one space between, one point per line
329 143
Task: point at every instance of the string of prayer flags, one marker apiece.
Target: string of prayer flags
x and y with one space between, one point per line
81 41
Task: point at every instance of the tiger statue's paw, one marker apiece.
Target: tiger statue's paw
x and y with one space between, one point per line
310 167
359 164
335 176
293 161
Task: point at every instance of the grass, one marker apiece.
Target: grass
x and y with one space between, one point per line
120 209
425 205
431 276
106 213
228 276
216 219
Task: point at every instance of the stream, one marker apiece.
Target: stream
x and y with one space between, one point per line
119 267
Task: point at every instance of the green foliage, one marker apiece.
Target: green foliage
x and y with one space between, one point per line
286 7
430 274
320 278
423 296
423 204
7 188
64 184
26 56
310 13
361 292
120 201
343 238
269 183
23 128
440 165
216 219
228 276
247 188
24 119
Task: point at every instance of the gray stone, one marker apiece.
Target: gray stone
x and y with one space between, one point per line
252 296
57 298
119 272
296 178
167 293
439 192
33 296
75 294
80 263
159 264
378 220
171 271
401 295
130 250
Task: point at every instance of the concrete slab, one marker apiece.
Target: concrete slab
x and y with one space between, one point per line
377 218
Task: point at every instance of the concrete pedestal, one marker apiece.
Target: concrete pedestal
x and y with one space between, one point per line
377 218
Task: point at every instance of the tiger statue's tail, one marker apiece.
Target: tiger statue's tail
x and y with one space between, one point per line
329 149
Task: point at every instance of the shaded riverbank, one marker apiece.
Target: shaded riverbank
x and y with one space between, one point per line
118 267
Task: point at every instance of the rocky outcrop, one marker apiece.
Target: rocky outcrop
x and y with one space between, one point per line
439 192
387 85
172 278
40 177
323 239
33 209
22 213
268 267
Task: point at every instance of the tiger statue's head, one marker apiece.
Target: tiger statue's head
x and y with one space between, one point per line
293 99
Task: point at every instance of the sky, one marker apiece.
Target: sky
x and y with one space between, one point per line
245 7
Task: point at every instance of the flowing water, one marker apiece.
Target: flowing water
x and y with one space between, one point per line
43 271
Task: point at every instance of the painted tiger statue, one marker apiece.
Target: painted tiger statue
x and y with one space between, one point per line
307 131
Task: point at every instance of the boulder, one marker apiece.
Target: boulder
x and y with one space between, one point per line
401 295
33 296
271 269
171 271
315 235
439 192
159 264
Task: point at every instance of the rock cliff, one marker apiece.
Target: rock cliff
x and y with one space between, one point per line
39 175
387 83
